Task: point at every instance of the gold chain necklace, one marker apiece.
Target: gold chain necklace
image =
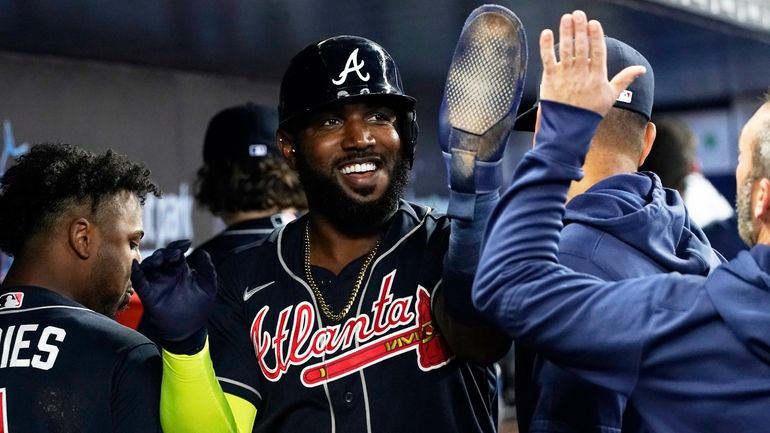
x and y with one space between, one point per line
325 309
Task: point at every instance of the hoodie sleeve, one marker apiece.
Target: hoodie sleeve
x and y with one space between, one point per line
594 328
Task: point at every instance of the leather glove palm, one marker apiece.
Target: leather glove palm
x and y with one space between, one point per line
483 90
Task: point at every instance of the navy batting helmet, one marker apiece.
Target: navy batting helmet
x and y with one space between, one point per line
345 68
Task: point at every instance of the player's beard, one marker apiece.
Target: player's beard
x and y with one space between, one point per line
326 196
743 206
103 295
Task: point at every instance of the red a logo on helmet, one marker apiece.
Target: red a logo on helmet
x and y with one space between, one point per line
352 65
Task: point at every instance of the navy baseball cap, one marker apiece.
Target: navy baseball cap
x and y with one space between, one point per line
640 94
638 97
240 133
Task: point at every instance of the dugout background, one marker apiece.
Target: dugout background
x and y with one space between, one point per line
145 76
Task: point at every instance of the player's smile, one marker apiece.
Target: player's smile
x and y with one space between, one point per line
357 144
351 163
362 174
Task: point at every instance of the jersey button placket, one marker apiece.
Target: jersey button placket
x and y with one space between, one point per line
348 398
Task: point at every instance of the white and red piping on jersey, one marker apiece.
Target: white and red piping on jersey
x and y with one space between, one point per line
360 303
47 307
247 232
241 385
279 244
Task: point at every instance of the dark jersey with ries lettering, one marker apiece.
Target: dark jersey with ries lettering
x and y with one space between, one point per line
383 368
65 368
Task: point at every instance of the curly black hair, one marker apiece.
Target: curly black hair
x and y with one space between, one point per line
35 191
253 184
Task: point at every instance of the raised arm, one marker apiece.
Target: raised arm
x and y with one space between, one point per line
177 298
483 90
574 319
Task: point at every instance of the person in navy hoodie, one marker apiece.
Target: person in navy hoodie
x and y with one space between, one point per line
619 223
690 352
674 158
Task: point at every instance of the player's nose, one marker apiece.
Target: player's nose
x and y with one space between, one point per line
357 134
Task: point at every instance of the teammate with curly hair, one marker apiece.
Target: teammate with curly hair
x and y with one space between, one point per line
72 221
244 180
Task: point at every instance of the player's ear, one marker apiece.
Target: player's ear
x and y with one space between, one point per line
80 234
286 144
761 203
649 137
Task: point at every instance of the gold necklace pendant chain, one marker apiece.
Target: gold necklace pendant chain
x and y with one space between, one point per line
325 309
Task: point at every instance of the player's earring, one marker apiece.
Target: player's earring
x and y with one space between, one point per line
293 150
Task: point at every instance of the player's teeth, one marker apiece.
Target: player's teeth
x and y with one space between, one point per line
358 168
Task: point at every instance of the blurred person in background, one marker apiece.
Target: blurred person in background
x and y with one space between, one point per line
244 181
674 158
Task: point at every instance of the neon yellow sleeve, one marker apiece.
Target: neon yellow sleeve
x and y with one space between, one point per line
192 401
243 412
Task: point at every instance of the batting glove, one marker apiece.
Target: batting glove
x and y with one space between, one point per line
482 95
177 295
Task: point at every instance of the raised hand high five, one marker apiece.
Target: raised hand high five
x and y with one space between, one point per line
579 77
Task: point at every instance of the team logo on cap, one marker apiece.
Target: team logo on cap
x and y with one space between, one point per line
626 96
11 300
257 150
352 65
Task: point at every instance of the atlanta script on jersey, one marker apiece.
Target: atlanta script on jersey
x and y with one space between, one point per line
384 368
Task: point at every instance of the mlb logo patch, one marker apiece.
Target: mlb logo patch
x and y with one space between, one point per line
11 300
626 96
257 150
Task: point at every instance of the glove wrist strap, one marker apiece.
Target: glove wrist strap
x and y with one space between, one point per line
188 345
467 178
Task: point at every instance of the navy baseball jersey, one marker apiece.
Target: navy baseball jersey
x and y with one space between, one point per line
65 368
383 368
243 233
220 246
